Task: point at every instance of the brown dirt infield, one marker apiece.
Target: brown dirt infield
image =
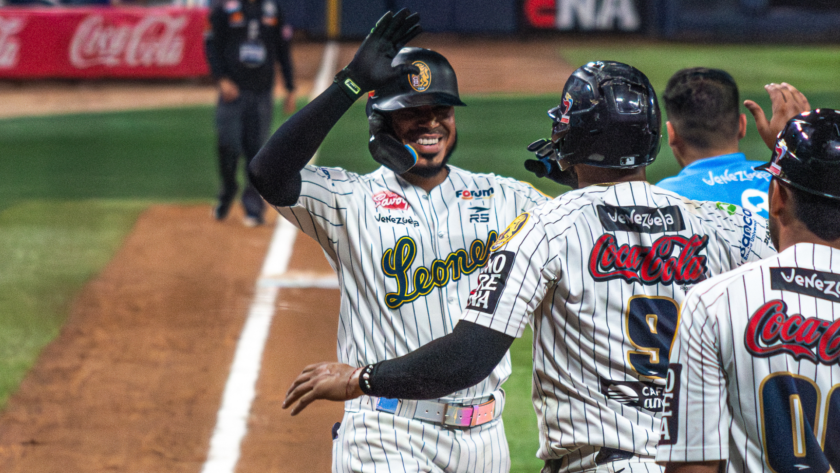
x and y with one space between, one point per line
134 381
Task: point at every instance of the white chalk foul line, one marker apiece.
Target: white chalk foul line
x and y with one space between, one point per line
240 389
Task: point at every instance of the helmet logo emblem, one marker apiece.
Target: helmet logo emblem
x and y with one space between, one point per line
421 82
778 153
568 101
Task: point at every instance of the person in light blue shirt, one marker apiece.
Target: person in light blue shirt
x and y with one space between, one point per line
704 127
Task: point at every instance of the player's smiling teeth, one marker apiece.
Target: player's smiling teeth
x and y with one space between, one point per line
428 141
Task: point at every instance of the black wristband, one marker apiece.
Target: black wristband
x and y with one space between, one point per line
348 85
364 379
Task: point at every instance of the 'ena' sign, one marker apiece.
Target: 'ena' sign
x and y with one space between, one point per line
583 15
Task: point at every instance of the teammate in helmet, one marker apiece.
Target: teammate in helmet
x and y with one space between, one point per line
599 273
406 243
753 380
608 118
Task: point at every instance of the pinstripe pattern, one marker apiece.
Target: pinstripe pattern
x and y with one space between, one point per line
581 339
721 408
379 318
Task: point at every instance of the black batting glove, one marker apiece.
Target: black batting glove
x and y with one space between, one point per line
386 149
546 166
371 66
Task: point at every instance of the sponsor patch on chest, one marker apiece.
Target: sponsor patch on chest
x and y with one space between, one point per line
409 221
389 200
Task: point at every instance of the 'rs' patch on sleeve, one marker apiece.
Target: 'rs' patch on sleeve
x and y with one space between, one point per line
491 282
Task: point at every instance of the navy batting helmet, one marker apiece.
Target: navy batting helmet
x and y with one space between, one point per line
435 85
807 153
608 117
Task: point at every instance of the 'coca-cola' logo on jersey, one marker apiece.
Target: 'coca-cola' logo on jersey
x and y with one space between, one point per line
9 43
156 40
389 200
639 219
650 265
771 331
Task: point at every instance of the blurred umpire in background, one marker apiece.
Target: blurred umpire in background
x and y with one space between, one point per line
245 38
704 128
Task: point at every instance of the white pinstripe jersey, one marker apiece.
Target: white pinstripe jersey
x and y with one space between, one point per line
756 360
406 259
600 273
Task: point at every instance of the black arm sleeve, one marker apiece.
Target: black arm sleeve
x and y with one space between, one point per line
275 170
451 363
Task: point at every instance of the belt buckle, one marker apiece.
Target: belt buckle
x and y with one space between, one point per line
458 416
483 413
430 411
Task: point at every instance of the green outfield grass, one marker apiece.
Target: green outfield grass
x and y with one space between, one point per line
73 185
48 251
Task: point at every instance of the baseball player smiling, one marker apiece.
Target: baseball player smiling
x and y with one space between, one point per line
406 241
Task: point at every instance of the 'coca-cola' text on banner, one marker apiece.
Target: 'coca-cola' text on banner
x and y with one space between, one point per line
130 42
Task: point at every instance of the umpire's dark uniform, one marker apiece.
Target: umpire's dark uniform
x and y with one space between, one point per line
244 39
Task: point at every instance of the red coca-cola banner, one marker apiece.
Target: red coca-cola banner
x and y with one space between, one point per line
125 42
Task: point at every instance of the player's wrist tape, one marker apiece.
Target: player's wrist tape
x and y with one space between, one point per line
364 379
348 85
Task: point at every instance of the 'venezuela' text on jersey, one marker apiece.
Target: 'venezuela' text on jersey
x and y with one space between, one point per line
755 377
600 272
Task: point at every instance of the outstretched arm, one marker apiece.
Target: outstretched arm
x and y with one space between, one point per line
275 170
443 366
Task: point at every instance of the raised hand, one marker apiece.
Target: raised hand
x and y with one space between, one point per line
371 66
787 102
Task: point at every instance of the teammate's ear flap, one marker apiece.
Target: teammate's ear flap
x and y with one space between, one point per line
742 126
